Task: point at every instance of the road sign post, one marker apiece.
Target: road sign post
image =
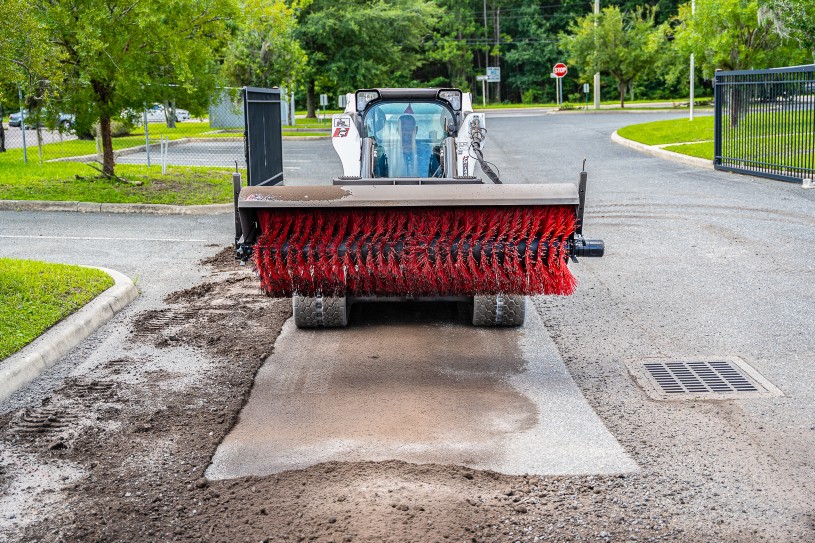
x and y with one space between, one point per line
559 71
323 102
586 92
483 79
493 74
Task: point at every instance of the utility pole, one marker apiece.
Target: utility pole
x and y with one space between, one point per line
498 51
692 66
596 75
487 50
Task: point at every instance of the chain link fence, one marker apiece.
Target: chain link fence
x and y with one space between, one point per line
215 140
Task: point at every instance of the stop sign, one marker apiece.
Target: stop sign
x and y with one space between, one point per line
560 69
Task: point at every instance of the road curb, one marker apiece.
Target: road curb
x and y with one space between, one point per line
662 153
97 207
26 365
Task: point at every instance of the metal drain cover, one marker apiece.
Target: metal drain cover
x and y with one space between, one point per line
724 378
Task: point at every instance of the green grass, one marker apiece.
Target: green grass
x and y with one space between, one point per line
73 181
36 295
670 131
312 123
761 137
700 150
183 130
76 147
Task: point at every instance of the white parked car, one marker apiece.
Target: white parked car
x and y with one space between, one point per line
156 115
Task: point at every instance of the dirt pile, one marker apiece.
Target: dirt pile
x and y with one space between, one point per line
127 446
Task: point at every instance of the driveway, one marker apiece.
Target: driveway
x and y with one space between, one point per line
450 433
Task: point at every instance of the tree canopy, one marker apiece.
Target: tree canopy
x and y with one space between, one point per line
29 61
794 19
727 35
100 60
362 43
122 55
623 45
264 51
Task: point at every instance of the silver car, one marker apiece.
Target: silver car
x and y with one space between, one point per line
65 121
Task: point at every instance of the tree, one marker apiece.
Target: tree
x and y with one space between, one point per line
793 19
265 52
727 35
730 35
29 63
362 43
448 53
623 45
119 54
532 52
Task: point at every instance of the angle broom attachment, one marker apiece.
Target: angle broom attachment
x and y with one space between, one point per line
415 251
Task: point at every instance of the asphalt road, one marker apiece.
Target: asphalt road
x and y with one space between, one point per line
14 137
698 264
218 152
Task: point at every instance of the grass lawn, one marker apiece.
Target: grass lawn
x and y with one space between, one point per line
670 131
76 147
699 150
36 295
74 181
772 137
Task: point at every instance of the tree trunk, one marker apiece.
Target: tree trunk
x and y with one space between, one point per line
310 114
621 87
169 113
735 107
103 95
107 145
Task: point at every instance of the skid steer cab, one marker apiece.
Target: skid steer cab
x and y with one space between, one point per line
413 218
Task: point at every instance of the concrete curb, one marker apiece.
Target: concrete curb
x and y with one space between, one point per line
662 153
26 365
96 207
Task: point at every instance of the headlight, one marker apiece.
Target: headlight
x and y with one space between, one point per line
452 97
365 96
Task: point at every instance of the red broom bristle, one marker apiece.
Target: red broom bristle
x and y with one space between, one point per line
415 251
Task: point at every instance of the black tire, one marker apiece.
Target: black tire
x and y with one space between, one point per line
320 311
499 310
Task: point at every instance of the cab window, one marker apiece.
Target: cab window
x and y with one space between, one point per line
407 138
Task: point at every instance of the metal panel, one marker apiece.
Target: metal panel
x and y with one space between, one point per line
264 138
765 122
408 195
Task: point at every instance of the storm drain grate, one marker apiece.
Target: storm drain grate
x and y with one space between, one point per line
716 379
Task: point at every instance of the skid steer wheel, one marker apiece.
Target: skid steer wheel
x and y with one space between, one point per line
499 310
319 311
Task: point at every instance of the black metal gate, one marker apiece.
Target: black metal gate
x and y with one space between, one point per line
264 140
765 122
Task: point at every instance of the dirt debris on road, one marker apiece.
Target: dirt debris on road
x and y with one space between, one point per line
120 453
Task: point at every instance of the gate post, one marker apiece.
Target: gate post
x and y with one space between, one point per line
263 136
717 120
